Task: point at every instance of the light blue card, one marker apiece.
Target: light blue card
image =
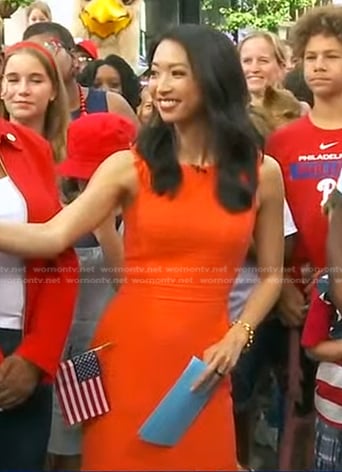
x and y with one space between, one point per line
178 409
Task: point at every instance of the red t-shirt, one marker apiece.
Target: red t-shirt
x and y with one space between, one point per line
311 161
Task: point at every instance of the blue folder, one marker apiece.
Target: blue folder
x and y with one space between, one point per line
178 409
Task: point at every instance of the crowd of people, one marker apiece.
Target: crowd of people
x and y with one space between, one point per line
192 211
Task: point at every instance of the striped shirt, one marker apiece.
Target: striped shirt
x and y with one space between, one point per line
324 322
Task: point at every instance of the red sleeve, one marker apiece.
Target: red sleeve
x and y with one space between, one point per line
47 166
50 311
52 293
317 324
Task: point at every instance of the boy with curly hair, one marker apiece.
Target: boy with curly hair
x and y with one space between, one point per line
309 151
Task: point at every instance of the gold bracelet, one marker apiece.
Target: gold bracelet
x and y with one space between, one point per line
250 331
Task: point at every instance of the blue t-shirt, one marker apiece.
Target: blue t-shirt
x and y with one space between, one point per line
96 102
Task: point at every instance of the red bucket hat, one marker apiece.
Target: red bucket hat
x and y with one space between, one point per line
91 139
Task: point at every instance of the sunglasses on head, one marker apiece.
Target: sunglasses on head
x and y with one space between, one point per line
55 45
83 59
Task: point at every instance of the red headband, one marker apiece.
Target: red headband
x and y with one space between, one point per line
32 45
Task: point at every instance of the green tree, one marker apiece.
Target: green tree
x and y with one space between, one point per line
232 15
8 7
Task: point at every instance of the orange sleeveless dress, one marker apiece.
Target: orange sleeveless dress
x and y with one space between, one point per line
181 258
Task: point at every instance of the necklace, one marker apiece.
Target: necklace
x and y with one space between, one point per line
83 106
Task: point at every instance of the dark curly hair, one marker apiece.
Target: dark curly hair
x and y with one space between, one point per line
129 80
325 20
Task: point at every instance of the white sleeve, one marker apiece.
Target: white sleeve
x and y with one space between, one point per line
289 224
339 183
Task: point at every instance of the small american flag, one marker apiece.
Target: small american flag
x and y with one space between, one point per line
79 388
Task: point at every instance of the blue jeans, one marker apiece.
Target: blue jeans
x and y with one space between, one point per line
328 447
24 431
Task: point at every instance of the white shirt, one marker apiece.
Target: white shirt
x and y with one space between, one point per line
289 224
248 274
12 269
339 183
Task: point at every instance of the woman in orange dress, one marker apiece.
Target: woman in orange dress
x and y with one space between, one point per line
192 203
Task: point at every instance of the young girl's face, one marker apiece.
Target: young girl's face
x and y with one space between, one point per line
108 79
27 88
36 16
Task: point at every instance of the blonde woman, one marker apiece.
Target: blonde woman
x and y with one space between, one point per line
263 60
33 93
38 12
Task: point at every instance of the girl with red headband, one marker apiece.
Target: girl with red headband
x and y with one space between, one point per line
82 100
33 93
33 328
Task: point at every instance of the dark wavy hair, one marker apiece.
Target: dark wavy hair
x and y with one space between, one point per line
129 80
233 139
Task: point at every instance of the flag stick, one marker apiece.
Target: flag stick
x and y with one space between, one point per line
103 346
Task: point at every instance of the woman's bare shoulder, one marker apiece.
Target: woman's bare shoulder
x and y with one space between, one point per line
118 168
270 165
271 185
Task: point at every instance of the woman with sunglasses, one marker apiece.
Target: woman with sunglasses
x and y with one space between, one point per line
81 100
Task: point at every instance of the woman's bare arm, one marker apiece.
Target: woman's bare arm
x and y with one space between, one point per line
269 244
112 185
